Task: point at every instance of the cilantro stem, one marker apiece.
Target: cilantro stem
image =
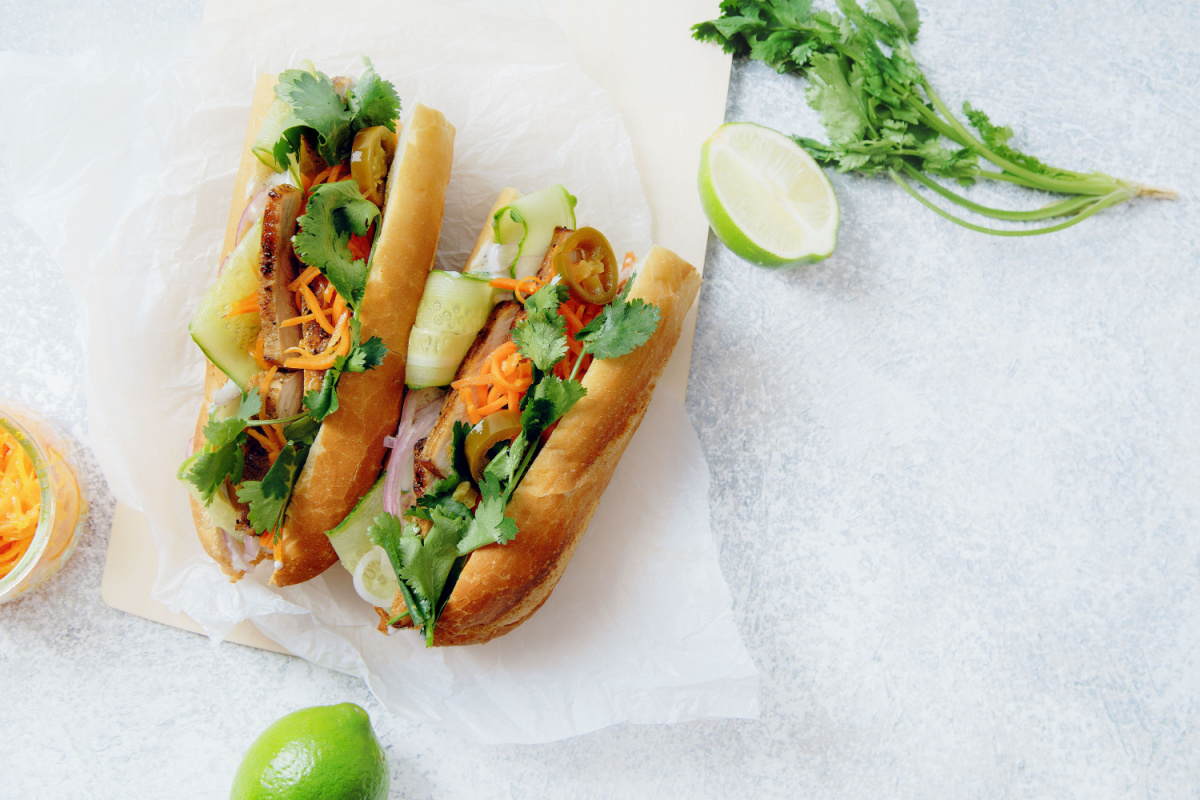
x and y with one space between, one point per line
1077 184
1061 209
260 422
1097 204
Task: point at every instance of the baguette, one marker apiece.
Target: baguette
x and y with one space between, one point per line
335 474
502 585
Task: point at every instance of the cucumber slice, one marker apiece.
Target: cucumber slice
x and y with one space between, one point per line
220 510
269 134
228 341
374 580
531 221
454 308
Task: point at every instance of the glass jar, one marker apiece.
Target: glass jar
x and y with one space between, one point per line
63 506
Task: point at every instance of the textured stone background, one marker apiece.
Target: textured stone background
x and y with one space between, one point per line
956 481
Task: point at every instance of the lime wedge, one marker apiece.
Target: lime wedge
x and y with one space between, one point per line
766 198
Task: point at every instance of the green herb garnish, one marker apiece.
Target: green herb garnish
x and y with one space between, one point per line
883 117
318 109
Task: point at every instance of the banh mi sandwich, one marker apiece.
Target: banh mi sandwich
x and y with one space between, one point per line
335 220
547 350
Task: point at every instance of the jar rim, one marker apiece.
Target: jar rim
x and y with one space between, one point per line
11 423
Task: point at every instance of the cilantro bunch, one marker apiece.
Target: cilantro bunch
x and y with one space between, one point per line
883 117
428 566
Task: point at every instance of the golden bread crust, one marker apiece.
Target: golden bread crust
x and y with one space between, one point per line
502 585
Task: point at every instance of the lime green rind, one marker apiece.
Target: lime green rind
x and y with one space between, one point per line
325 752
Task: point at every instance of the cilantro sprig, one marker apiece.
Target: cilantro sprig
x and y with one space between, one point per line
882 116
267 499
222 457
361 357
318 110
334 211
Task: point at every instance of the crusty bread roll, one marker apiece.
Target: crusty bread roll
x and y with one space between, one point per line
343 462
501 585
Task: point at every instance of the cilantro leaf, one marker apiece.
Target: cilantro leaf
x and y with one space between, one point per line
400 544
541 341
458 448
317 106
562 394
269 497
423 565
373 101
489 525
505 465
622 327
544 303
542 335
323 402
334 211
220 432
302 431
365 356
210 469
222 457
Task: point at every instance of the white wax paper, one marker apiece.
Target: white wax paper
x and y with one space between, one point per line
126 159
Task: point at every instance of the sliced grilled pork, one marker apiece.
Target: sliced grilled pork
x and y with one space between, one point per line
285 395
276 270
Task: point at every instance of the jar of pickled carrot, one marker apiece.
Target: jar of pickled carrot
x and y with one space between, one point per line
42 502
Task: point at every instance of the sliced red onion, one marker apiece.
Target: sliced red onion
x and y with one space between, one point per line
414 426
250 544
390 441
224 262
252 214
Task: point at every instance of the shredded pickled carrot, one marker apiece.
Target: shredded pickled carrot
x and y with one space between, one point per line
518 286
321 362
320 177
258 352
268 444
360 246
264 383
298 320
20 502
629 259
500 382
303 278
314 306
246 305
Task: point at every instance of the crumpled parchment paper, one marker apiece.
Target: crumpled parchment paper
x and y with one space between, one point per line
131 196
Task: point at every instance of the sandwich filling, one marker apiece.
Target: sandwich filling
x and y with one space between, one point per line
306 235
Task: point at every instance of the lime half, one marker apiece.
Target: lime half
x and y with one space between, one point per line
766 198
319 753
